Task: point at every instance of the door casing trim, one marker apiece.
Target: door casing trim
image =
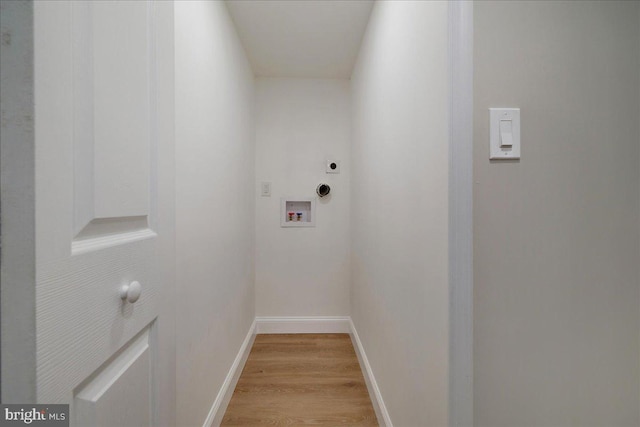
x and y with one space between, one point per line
460 213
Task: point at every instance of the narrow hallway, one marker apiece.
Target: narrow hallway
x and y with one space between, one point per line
301 379
330 212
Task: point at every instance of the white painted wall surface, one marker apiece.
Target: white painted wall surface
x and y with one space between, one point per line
215 203
17 196
400 208
299 124
556 234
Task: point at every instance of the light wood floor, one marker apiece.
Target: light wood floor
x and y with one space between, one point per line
299 379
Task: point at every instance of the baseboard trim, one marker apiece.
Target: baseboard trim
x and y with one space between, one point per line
374 392
303 325
219 407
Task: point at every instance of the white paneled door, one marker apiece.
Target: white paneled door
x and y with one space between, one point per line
104 210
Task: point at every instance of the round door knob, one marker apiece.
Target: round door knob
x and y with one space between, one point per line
131 292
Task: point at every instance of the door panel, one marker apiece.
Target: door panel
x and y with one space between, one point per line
113 83
104 400
122 82
97 187
81 320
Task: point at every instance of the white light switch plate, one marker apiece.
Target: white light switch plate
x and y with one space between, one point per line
506 145
265 189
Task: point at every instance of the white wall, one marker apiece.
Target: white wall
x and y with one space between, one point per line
556 251
300 123
214 201
400 208
17 197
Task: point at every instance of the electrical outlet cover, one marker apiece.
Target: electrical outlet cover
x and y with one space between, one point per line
333 166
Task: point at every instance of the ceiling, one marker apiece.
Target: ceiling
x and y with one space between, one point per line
301 38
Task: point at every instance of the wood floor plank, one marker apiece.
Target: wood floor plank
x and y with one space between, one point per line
301 379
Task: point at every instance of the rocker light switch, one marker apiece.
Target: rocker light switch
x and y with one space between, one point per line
504 133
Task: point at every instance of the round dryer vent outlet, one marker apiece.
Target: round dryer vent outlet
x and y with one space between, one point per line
323 190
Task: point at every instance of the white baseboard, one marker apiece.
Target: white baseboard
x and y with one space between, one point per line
374 392
219 407
303 325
